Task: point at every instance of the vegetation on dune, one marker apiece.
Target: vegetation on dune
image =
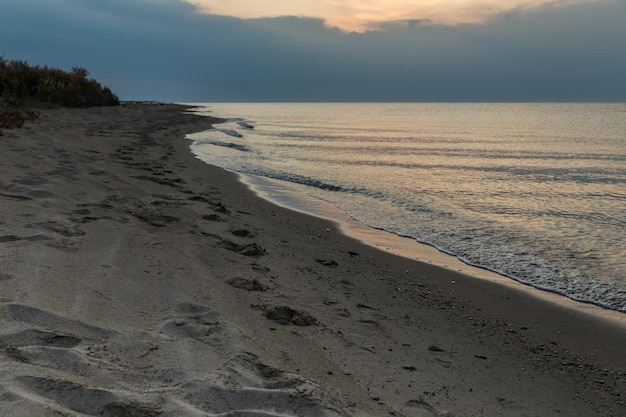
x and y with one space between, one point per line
23 86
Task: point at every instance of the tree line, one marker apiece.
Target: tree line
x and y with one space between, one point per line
23 87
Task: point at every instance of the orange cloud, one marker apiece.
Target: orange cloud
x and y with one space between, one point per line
364 15
250 9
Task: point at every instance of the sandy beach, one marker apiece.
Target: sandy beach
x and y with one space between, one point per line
135 280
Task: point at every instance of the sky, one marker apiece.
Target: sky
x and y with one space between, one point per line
329 50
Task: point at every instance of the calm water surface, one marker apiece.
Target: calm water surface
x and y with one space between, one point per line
536 192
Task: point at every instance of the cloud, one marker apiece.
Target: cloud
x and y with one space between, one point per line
247 9
361 16
168 50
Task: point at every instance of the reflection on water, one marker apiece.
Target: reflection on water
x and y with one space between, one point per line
534 191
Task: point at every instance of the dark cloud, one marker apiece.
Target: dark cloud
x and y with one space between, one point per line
167 50
414 22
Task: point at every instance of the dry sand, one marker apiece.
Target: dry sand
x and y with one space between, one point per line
137 281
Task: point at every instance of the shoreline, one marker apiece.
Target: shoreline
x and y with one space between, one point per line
549 250
410 248
137 278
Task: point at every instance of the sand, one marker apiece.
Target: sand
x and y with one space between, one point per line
138 281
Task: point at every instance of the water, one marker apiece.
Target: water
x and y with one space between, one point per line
535 192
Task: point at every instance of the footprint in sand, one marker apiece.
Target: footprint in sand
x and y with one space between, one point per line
509 405
260 268
34 238
243 233
85 400
247 284
15 197
260 390
63 228
32 337
154 217
425 409
53 342
193 321
53 323
327 262
286 315
30 345
250 249
212 218
441 355
221 208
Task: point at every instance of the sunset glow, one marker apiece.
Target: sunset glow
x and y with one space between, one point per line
331 50
365 15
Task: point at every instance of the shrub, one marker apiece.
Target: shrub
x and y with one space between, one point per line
22 85
22 82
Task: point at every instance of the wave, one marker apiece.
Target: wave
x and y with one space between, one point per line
528 272
245 125
298 179
230 132
581 290
236 146
554 249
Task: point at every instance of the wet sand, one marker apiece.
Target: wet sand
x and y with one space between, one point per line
138 281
